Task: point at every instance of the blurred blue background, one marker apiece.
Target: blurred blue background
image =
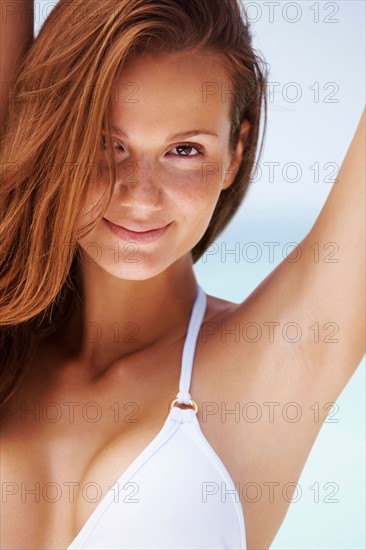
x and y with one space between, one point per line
316 54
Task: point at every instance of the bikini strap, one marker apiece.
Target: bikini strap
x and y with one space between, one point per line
197 315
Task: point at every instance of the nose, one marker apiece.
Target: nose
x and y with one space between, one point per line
138 185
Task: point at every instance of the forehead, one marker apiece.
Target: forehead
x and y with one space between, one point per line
180 87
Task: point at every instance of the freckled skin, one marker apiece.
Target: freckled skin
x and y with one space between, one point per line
155 182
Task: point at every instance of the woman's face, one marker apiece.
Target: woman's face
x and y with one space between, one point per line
163 178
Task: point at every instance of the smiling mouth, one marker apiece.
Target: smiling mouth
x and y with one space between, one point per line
137 234
142 230
139 228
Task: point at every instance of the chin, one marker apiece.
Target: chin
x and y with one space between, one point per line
134 273
129 261
136 267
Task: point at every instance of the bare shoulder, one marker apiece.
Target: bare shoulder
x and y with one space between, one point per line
259 348
261 403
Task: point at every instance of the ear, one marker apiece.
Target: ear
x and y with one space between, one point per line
237 155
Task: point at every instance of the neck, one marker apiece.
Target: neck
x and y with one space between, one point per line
119 317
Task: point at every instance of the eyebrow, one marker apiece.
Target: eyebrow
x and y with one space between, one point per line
179 135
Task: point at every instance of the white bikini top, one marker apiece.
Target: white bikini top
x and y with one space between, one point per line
177 493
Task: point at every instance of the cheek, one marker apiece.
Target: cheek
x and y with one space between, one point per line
197 191
190 191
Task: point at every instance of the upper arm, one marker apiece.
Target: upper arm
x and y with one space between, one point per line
334 284
316 295
16 37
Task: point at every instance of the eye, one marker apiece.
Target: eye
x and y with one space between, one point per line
118 147
184 150
187 149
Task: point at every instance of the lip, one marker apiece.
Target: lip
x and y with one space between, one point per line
137 235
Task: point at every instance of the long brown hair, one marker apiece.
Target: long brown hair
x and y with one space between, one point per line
56 114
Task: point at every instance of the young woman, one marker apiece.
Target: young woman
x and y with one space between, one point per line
128 142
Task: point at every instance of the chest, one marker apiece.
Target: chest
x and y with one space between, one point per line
65 444
66 441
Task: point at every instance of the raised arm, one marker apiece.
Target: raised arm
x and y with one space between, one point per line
16 37
335 289
321 285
